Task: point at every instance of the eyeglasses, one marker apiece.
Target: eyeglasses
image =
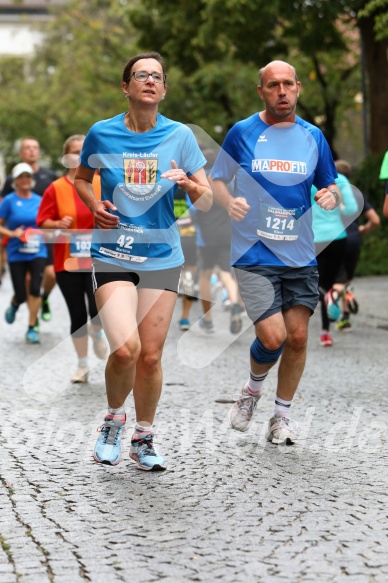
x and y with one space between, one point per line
142 77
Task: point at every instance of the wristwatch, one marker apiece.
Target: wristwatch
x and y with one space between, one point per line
336 196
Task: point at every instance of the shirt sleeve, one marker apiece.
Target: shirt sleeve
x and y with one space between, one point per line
89 149
192 158
4 208
48 208
384 169
226 164
326 172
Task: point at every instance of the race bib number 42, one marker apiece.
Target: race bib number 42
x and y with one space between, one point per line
133 248
278 224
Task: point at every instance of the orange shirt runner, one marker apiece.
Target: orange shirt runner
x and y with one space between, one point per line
60 199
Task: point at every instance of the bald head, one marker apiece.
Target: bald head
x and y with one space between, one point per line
276 67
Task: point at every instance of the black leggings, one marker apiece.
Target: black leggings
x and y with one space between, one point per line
76 288
19 270
329 262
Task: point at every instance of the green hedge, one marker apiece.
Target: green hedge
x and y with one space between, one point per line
374 252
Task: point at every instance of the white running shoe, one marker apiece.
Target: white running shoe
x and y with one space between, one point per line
240 415
282 430
80 375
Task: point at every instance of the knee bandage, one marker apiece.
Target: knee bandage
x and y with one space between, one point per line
262 355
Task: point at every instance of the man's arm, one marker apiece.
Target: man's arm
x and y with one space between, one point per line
328 198
237 207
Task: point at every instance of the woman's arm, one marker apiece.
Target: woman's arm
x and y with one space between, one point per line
196 185
15 234
100 209
200 192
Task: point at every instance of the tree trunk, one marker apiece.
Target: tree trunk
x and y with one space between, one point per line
376 68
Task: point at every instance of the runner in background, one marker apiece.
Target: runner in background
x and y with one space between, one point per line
27 252
214 255
61 208
330 239
355 234
29 153
384 176
187 232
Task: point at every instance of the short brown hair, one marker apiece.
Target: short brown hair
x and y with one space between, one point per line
150 55
343 167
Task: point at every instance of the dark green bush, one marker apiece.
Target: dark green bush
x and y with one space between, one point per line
366 177
374 253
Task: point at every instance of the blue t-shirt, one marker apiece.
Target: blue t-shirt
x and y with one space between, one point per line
17 211
273 168
147 237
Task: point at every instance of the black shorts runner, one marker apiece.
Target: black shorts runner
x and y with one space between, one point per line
164 279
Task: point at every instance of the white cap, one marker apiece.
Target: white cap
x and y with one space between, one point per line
21 168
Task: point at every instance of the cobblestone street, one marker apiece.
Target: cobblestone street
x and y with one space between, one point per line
230 507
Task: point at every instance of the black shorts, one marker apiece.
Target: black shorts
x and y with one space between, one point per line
164 279
267 290
189 249
50 254
349 264
215 256
18 271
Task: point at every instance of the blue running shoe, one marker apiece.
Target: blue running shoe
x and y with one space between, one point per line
332 307
184 324
32 337
10 314
145 455
108 445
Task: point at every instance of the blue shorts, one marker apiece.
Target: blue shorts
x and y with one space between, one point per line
267 290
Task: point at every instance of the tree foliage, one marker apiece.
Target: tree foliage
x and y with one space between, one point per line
379 10
212 48
240 36
73 80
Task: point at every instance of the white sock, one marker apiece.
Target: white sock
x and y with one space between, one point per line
144 428
119 412
255 383
282 407
83 361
